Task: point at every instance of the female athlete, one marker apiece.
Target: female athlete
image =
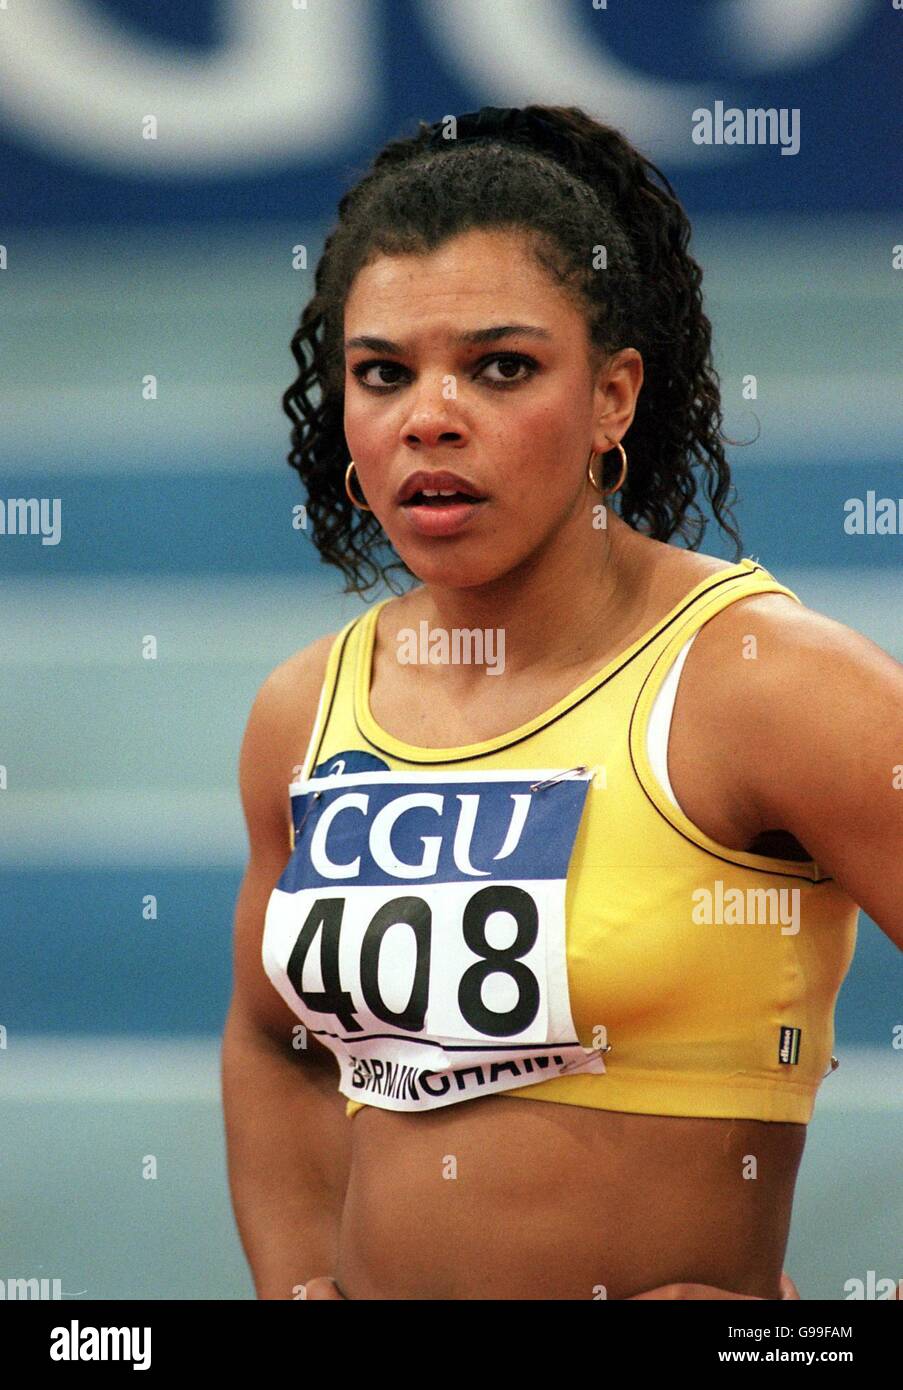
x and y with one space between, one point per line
582 818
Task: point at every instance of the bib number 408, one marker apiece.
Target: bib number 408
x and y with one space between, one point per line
326 915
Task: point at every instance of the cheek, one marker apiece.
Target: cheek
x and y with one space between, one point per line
366 431
543 443
353 416
554 419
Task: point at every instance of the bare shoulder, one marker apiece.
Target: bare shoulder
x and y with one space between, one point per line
775 702
795 722
766 668
287 697
300 674
279 727
772 640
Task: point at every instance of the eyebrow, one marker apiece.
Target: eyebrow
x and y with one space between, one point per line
474 335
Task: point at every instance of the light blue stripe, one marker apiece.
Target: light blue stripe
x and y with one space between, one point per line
807 305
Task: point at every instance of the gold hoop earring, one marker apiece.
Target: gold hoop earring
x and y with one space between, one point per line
609 491
361 506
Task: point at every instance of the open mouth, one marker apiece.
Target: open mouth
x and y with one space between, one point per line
440 499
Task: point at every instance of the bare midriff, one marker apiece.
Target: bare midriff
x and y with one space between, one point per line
505 1197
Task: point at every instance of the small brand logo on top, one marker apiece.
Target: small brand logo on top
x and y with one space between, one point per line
789 1050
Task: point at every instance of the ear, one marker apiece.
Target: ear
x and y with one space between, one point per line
619 379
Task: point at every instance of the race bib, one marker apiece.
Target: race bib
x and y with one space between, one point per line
418 930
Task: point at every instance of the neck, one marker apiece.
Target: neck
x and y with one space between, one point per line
560 608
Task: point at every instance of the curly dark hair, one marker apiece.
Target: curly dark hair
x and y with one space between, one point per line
574 187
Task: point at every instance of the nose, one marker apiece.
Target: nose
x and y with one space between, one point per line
429 434
428 421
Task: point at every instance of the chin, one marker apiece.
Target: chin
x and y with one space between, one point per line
448 574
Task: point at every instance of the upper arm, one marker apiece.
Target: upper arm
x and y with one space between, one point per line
817 715
278 730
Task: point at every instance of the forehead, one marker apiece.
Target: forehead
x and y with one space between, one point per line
495 268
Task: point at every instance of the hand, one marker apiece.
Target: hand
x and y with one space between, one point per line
323 1286
706 1291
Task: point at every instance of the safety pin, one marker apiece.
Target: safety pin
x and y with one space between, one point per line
559 777
582 1061
315 796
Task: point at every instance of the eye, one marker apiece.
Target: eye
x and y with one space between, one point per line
517 359
362 368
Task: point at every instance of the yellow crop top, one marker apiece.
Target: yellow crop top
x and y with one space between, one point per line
534 916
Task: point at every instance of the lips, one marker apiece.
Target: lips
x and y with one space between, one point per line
431 488
442 499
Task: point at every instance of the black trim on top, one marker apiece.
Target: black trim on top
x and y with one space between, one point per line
471 757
